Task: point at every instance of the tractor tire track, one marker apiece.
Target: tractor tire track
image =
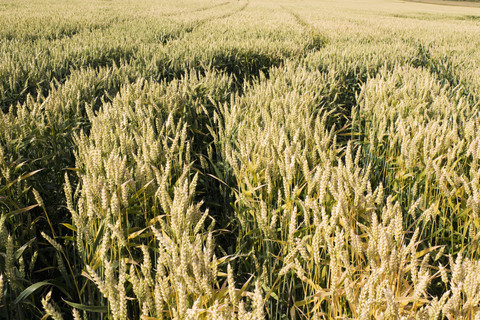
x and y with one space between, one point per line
316 40
201 22
171 14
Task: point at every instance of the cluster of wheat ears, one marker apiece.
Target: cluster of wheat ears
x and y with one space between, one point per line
239 160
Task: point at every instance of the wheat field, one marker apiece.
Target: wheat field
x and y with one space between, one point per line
239 159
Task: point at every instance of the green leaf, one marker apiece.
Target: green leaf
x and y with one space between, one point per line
28 175
20 250
22 210
69 226
83 307
31 289
97 241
